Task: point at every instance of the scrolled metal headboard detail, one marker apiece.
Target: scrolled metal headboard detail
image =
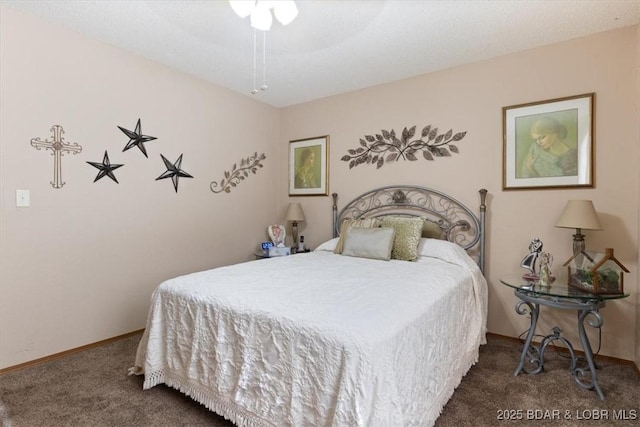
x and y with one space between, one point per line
458 223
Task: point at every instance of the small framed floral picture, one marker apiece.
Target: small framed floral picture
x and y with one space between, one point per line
549 144
309 167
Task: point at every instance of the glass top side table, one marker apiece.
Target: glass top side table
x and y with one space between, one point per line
559 295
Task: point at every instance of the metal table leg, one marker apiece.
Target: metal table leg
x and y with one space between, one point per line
527 349
581 374
585 376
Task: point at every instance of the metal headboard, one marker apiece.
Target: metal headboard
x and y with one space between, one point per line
458 223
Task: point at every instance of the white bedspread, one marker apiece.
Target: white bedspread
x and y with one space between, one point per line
319 339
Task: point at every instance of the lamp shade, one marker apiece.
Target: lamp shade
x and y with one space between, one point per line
579 214
294 212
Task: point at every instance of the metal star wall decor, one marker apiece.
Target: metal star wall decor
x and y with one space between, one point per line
136 138
173 171
58 147
106 168
387 147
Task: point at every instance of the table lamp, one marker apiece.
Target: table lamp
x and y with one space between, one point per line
295 215
579 214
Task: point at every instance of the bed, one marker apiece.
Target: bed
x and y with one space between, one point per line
353 338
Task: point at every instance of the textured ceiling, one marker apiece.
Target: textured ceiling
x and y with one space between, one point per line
332 47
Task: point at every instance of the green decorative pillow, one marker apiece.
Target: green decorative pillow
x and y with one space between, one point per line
408 234
374 243
347 224
432 230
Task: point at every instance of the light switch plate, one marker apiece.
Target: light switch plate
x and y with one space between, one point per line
23 198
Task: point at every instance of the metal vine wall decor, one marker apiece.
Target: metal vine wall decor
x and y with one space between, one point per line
237 174
387 147
58 148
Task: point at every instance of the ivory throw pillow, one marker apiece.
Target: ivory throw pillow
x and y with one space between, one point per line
346 225
374 243
408 234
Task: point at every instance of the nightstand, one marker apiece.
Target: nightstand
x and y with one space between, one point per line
260 254
560 296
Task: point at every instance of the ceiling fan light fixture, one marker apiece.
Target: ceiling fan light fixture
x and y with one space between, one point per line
261 17
242 8
285 11
260 12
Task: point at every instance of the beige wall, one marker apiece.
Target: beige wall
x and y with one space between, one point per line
80 264
470 98
638 177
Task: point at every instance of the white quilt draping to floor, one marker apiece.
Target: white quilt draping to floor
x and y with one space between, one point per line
320 339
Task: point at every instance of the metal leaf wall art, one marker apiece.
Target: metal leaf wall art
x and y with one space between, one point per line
387 147
238 174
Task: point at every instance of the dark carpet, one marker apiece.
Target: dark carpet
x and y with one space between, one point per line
92 388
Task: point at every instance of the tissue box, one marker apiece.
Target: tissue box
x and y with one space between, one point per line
279 251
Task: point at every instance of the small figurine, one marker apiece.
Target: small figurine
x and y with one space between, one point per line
546 278
529 261
277 233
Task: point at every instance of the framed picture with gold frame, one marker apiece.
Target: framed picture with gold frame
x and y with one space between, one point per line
549 144
309 166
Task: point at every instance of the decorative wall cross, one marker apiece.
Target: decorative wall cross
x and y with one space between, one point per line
58 147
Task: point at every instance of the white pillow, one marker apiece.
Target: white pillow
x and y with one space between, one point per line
329 245
346 225
442 249
374 243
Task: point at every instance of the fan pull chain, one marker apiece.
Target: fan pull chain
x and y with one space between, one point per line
254 90
264 61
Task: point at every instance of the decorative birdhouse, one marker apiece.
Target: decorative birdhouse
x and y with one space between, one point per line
596 272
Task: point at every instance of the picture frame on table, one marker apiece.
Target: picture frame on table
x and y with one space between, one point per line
549 144
309 166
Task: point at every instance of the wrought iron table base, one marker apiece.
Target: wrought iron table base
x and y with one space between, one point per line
586 377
